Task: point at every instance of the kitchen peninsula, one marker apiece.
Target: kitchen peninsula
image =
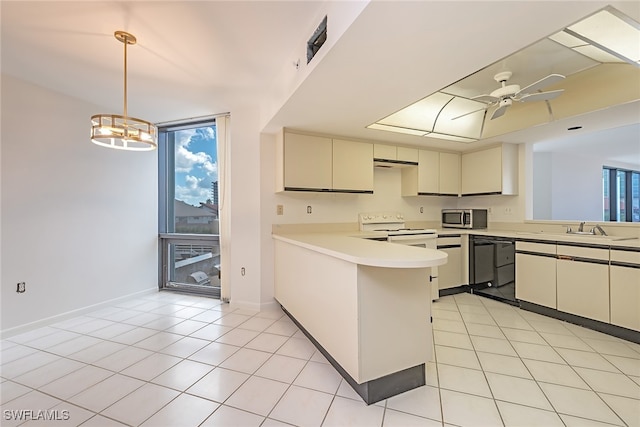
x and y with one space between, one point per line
365 304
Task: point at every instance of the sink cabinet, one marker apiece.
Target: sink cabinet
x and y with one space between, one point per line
536 273
625 288
583 281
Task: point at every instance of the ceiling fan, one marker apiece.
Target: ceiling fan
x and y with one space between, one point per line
503 97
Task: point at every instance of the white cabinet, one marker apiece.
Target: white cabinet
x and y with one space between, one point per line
449 174
428 172
490 171
395 154
625 288
315 163
437 174
536 273
583 281
450 275
307 162
352 166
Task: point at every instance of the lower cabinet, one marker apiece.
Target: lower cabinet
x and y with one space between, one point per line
583 282
450 274
624 278
536 273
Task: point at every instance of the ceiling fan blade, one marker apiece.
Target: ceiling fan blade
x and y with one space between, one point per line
470 112
485 98
499 112
543 82
541 96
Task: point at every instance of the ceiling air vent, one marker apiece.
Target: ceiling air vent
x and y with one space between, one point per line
317 40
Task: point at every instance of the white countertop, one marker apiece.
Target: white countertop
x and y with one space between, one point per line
354 247
613 241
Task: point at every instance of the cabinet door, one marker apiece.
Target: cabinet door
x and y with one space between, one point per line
385 152
449 182
583 289
625 297
482 171
307 162
450 274
536 279
408 154
428 172
352 166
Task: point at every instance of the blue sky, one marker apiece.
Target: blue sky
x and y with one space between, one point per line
196 164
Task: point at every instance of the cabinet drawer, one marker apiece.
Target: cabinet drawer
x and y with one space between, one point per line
449 240
544 248
584 252
625 256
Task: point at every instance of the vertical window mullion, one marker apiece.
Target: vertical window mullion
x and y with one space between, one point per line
613 194
628 201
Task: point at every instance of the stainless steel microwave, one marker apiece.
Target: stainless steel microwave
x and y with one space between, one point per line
464 218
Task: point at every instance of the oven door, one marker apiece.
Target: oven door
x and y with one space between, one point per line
427 241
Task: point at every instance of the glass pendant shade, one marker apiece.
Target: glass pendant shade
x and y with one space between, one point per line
121 131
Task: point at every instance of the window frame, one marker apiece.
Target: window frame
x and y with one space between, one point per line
614 194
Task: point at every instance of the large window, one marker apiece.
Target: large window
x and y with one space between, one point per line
189 214
621 194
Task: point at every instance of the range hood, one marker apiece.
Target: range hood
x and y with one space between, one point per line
388 164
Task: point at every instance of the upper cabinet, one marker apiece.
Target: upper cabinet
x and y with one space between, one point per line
315 163
437 174
307 162
449 173
491 171
394 154
352 166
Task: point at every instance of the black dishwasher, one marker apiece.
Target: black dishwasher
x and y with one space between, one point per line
492 267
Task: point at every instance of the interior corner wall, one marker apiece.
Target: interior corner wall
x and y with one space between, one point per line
245 242
79 222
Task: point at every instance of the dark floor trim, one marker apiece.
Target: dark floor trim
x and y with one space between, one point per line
607 328
453 291
375 390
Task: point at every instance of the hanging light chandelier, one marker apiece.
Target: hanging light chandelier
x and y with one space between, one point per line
121 131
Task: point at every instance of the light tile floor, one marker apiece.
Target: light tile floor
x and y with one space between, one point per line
176 360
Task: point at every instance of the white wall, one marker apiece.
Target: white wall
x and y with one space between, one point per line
79 222
569 185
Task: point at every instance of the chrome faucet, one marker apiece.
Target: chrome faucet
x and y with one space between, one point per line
598 228
581 227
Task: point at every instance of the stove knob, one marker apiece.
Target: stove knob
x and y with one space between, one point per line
384 216
399 216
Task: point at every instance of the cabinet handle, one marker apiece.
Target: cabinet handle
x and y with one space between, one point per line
565 257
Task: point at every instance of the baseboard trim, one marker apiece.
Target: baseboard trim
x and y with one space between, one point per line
606 328
16 330
377 389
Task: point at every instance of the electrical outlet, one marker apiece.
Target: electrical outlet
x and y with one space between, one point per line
22 286
507 211
279 210
421 209
309 210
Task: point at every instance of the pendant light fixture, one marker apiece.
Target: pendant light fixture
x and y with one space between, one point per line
121 131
